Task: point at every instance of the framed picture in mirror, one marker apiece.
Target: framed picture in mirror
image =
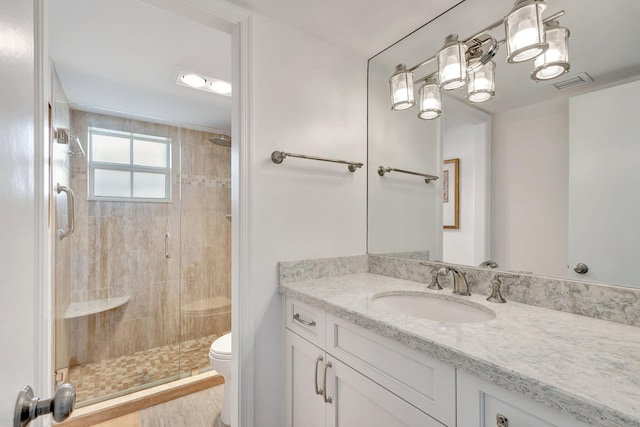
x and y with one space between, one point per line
451 194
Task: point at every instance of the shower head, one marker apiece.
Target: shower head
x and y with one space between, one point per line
221 139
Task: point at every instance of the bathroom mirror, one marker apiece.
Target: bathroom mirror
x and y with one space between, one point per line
546 174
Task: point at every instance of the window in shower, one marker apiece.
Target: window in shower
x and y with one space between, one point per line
128 166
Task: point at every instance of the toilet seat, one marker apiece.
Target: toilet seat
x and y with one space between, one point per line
221 348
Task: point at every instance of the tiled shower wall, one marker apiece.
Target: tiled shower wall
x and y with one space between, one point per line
119 250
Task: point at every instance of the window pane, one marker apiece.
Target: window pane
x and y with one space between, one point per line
149 185
111 149
149 153
108 183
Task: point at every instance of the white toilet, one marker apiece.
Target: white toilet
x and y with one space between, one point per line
220 359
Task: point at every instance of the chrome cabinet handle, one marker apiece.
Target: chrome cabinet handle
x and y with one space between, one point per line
501 421
70 211
297 318
319 391
327 399
167 245
28 407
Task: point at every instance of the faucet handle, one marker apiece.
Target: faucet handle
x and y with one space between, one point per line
435 285
435 271
496 282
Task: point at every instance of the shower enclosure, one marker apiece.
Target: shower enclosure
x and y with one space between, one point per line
142 285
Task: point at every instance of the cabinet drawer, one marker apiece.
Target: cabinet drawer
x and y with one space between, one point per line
306 321
422 381
481 402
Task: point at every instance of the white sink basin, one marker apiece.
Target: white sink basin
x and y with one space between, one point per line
440 308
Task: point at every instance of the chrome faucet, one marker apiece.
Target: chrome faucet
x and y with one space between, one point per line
460 284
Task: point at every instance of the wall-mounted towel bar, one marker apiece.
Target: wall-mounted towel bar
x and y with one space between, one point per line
279 156
427 178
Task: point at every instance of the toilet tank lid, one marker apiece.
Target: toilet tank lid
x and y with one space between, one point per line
222 345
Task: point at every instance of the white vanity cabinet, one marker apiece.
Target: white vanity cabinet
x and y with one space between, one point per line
483 404
341 385
350 400
339 374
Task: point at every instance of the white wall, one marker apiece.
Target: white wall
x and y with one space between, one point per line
309 98
530 162
458 244
403 209
466 135
604 203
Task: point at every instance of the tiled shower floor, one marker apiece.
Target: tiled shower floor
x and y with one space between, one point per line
120 375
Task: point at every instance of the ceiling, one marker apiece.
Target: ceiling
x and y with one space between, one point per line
363 26
122 57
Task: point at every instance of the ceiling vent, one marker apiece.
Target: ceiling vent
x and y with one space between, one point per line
574 80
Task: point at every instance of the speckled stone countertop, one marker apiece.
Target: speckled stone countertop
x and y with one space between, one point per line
585 367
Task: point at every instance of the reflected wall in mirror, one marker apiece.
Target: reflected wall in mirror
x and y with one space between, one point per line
548 176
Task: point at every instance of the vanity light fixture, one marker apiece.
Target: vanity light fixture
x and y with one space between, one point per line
401 84
481 86
469 61
452 65
203 82
524 30
555 61
430 100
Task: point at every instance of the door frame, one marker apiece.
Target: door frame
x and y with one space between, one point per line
238 22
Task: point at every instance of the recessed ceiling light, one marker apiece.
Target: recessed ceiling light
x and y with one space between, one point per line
193 80
220 87
203 82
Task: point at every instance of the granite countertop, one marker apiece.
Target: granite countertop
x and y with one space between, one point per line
585 367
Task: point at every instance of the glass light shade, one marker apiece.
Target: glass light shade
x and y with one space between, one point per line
555 61
481 86
524 31
401 85
452 66
430 101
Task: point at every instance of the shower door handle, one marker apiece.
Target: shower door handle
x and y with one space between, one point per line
70 211
167 245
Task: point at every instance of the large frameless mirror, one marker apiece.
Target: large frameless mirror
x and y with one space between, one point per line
547 165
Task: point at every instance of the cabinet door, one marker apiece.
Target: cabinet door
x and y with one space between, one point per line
303 407
426 383
357 401
480 403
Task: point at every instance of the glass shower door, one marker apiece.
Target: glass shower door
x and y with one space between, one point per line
118 277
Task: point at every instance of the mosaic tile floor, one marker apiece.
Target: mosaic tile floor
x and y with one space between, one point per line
109 378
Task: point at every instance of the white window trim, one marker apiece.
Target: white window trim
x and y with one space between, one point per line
131 167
